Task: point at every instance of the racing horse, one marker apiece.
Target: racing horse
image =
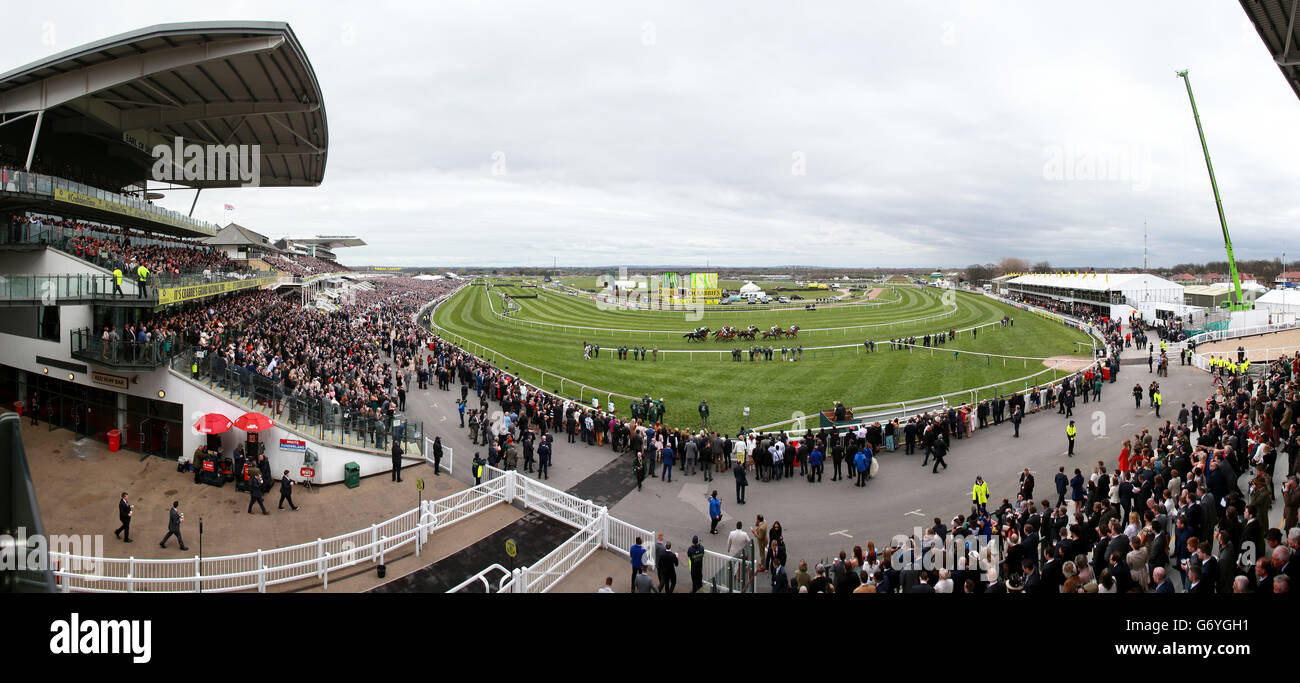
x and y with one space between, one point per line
727 333
749 334
700 334
793 332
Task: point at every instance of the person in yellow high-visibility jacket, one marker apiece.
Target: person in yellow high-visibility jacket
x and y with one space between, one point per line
1156 399
117 282
979 495
143 274
1070 432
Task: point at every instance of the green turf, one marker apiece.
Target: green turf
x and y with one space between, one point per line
773 390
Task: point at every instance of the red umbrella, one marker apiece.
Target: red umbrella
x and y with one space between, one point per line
253 422
212 423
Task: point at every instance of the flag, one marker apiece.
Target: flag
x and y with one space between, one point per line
230 207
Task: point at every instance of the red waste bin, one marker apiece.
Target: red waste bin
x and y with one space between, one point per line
114 440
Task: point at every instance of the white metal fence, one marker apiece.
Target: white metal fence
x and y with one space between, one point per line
448 456
1202 361
596 530
313 560
316 560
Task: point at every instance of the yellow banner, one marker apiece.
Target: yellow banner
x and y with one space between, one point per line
179 294
70 197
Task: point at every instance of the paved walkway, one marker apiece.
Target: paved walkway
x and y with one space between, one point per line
78 483
823 518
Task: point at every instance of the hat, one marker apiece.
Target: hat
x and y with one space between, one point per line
695 539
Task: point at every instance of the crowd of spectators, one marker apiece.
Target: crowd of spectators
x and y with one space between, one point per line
356 361
117 247
303 265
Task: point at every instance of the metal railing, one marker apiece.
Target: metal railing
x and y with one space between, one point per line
596 530
320 419
71 192
311 561
154 353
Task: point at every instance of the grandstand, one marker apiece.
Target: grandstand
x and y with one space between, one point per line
200 319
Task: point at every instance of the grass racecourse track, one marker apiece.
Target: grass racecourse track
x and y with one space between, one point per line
548 332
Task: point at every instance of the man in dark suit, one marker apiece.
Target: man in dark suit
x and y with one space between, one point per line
1099 553
1062 483
1033 581
1027 484
1163 584
1226 562
255 492
1053 571
174 520
286 491
1209 567
1119 572
124 515
397 462
1195 584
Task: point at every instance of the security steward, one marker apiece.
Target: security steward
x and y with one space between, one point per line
477 467
143 273
117 282
1070 432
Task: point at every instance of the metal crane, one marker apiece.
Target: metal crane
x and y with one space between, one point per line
1237 303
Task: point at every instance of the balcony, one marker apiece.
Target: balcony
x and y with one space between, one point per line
123 354
20 289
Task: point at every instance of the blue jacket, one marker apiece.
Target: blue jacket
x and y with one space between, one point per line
667 455
715 508
636 552
816 458
1076 486
860 462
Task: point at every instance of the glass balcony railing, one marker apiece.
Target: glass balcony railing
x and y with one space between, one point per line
123 353
319 419
70 192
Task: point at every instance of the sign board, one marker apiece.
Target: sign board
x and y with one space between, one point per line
419 484
68 196
293 445
307 473
174 295
511 548
110 380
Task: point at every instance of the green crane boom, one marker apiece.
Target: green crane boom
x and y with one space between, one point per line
1237 303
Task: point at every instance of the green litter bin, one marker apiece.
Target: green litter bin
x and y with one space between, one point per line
352 475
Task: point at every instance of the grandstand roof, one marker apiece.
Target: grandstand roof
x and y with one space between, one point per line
235 234
1095 282
329 241
1275 21
220 83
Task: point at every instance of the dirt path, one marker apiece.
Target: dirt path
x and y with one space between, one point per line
874 293
1259 348
1067 363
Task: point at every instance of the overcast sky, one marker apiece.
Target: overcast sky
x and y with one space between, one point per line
765 133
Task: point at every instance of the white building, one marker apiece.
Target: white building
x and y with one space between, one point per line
1113 295
1284 303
